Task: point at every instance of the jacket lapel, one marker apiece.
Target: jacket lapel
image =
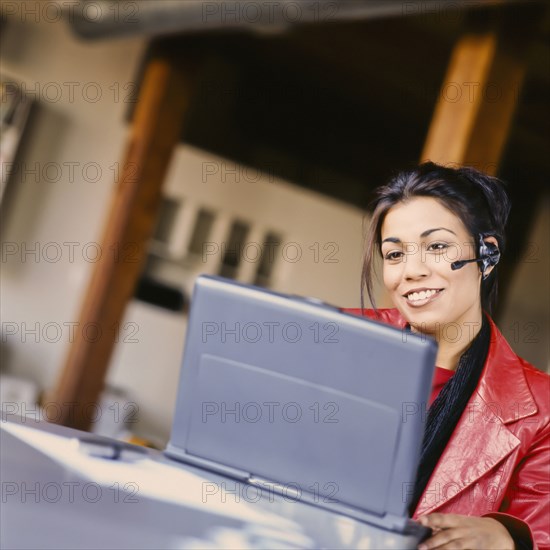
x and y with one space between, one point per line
481 439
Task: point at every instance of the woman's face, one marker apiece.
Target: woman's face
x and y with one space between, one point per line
420 240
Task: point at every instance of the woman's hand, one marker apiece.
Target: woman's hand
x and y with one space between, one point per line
453 531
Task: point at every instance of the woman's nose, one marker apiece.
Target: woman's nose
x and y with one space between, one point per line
415 264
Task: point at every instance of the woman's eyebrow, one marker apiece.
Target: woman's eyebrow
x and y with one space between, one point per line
427 232
423 234
391 240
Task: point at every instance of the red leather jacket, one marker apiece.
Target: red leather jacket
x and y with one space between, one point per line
497 462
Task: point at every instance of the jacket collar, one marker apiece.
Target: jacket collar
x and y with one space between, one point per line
503 381
481 439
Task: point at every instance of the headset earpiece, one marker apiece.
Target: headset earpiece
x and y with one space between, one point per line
489 255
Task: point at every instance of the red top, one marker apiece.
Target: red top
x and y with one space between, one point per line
441 377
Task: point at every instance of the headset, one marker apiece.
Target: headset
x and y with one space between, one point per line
489 255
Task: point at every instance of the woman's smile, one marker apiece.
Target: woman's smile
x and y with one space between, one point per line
419 298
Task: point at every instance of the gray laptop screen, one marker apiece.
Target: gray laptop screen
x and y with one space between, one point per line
301 394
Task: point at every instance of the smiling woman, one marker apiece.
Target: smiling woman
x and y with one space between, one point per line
483 477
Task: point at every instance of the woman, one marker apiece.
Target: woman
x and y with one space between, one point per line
484 474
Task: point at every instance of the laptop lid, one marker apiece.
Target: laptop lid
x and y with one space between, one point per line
296 392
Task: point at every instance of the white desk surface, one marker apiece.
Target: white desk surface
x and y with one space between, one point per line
53 496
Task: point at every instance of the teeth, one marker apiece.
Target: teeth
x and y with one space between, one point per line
422 295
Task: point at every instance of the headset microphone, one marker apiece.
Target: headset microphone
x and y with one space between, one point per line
489 255
462 263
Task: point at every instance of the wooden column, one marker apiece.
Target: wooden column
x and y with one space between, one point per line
476 104
156 128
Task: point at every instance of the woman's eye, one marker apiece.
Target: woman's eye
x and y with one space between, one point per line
393 256
437 247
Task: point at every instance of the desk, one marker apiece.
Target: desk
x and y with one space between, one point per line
49 503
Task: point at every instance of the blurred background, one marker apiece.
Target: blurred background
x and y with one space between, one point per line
144 143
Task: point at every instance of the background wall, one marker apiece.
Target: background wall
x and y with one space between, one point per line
57 200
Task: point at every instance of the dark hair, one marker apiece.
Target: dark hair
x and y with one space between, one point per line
479 200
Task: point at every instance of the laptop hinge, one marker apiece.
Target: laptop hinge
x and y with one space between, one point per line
287 490
216 467
390 522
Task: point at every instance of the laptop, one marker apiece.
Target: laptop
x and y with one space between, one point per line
292 395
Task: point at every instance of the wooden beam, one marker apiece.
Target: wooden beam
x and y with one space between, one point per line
460 100
156 128
478 98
